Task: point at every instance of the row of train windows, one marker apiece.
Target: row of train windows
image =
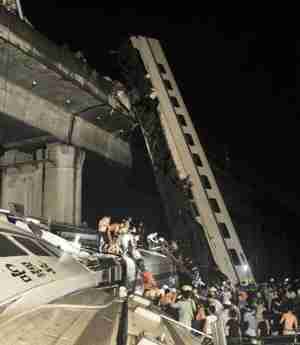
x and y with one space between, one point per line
168 85
226 234
9 248
188 137
181 119
213 202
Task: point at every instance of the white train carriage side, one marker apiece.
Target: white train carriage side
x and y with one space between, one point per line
33 272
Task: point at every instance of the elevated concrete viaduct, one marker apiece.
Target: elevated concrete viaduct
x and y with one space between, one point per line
53 109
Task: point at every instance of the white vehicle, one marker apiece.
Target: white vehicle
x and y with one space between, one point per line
71 240
48 297
40 229
162 267
43 289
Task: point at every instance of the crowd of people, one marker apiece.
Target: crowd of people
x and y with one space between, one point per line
244 310
119 237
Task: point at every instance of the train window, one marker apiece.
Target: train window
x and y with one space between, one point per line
161 68
224 230
32 246
181 120
214 205
55 251
197 160
235 258
205 181
189 139
168 84
174 101
8 248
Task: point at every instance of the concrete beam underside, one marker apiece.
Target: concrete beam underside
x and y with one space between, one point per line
20 103
24 106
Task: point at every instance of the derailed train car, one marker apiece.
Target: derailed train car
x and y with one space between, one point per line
17 242
33 272
82 243
162 266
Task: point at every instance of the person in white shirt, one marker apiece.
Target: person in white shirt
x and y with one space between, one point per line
226 296
216 303
224 316
186 307
102 238
211 319
152 240
250 322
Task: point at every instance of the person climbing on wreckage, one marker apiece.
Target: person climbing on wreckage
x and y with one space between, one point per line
102 238
107 241
132 256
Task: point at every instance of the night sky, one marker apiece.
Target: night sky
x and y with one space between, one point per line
236 75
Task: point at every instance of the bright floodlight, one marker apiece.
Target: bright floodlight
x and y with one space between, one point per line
245 267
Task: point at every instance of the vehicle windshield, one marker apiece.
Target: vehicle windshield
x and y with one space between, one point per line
50 247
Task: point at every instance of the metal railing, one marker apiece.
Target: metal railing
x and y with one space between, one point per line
200 337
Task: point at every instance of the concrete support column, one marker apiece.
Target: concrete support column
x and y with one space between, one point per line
62 189
46 182
20 182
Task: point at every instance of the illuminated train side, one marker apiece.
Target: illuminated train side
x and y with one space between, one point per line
108 270
29 280
33 272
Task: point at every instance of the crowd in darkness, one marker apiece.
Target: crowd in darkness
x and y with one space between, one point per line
244 310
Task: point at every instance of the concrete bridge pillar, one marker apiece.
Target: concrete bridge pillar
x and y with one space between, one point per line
45 182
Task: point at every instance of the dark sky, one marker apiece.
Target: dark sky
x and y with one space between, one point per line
236 74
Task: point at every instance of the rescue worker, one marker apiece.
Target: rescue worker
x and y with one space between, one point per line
186 307
102 237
